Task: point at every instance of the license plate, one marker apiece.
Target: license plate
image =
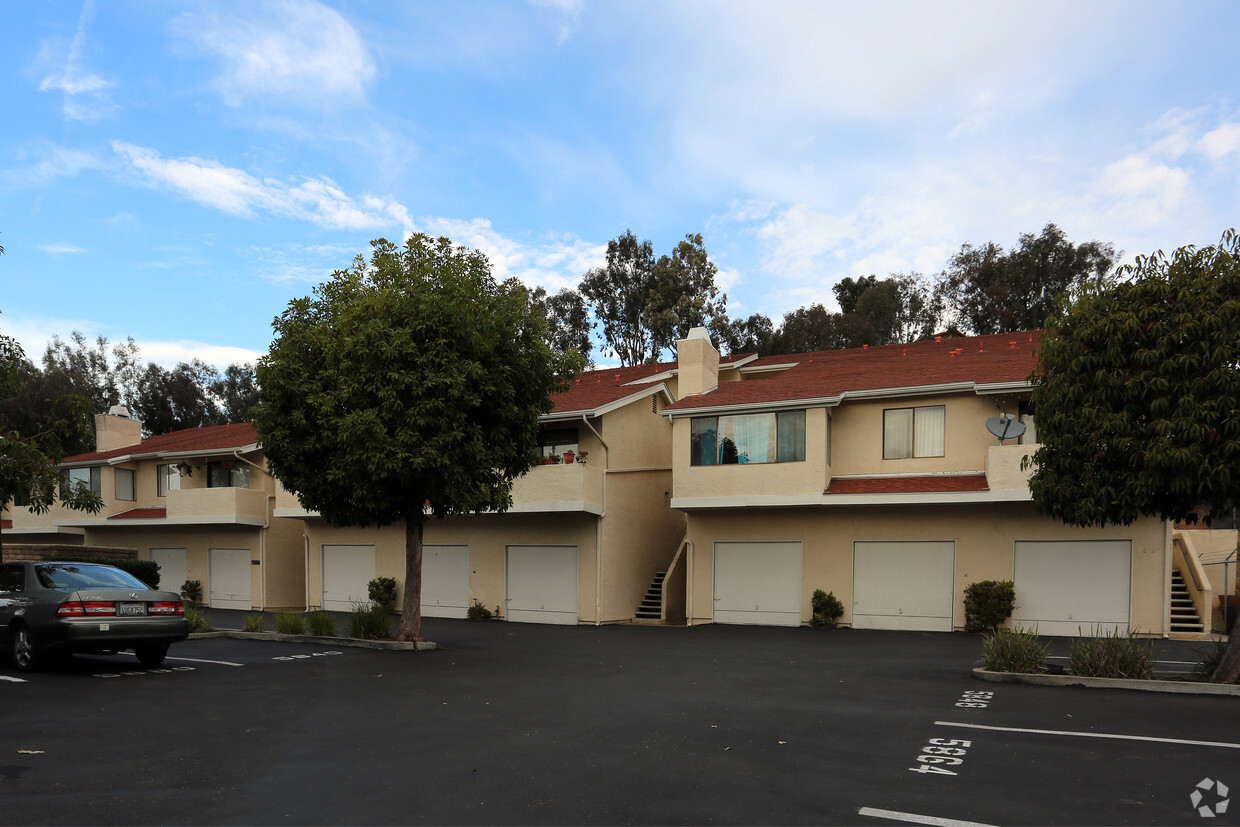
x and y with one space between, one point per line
130 609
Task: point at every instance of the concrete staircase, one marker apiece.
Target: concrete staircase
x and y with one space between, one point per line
1184 617
651 607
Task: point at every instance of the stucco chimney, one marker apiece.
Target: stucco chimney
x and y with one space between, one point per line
698 364
115 429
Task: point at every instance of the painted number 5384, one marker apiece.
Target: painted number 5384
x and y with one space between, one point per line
940 754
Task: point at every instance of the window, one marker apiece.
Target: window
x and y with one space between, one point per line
88 477
126 488
228 474
12 578
748 438
557 441
169 479
913 432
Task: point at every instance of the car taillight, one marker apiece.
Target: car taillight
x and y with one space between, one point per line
72 608
81 608
166 608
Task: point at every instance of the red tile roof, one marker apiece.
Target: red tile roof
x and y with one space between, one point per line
1003 357
909 485
209 438
155 512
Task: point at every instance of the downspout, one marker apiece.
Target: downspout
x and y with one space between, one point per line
598 532
262 550
306 569
1168 553
689 585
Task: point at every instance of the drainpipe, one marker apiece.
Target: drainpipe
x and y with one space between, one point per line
598 532
1168 553
306 569
262 551
689 588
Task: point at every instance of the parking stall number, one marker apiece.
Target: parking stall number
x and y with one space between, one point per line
306 657
940 754
136 673
976 699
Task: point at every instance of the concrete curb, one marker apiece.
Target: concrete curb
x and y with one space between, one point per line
1177 687
356 643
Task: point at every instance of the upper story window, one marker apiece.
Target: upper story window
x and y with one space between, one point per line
126 485
228 474
91 478
169 477
557 441
748 438
913 432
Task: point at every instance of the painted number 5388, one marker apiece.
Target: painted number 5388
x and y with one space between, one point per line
940 754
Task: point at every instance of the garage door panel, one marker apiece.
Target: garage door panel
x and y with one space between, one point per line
542 584
173 567
904 585
1070 588
230 585
445 581
347 572
758 583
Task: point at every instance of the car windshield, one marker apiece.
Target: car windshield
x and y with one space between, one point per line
85 576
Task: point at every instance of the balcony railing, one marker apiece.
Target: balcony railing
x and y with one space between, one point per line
568 487
1003 467
216 504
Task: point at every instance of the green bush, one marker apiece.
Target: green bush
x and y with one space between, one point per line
197 619
382 591
987 604
145 570
827 609
1112 655
369 621
321 624
191 592
253 623
1007 650
290 623
478 612
1208 659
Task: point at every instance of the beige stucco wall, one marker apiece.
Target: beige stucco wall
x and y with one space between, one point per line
565 483
1003 466
984 537
636 437
640 536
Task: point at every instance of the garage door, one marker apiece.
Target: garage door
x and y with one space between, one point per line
542 584
904 585
347 572
445 581
1068 588
758 583
173 568
229 576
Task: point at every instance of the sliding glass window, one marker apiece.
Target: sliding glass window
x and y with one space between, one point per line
748 439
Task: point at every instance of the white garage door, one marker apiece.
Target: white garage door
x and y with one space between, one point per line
173 568
905 585
1069 588
347 572
758 583
229 573
542 584
445 581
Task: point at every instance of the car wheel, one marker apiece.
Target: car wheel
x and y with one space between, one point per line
152 654
21 647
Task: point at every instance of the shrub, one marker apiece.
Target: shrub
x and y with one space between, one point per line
478 612
197 619
1112 655
191 592
987 604
1208 659
145 570
827 609
321 624
382 590
290 623
1007 650
253 623
369 621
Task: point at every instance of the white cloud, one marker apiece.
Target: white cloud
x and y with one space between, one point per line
296 50
83 98
1145 193
316 200
555 263
61 249
43 164
1221 142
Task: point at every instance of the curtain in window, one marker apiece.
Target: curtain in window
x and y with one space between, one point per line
753 436
898 433
928 429
791 436
705 445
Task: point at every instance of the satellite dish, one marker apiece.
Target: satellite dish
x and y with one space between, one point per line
1005 427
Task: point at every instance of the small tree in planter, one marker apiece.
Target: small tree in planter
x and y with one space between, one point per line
988 604
382 590
827 609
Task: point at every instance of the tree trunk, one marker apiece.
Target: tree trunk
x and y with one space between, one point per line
411 606
1228 670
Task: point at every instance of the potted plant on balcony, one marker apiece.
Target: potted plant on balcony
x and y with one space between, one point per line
582 457
569 456
550 459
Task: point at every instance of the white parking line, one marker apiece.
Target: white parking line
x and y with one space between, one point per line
1223 744
199 660
12 680
914 818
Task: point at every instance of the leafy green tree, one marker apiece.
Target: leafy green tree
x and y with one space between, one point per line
814 328
568 321
619 292
683 295
106 374
410 384
169 400
993 290
752 335
235 391
1137 393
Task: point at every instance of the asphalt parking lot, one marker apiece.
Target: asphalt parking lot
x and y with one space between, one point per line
522 724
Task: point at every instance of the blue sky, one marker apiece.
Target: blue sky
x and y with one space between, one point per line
177 172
